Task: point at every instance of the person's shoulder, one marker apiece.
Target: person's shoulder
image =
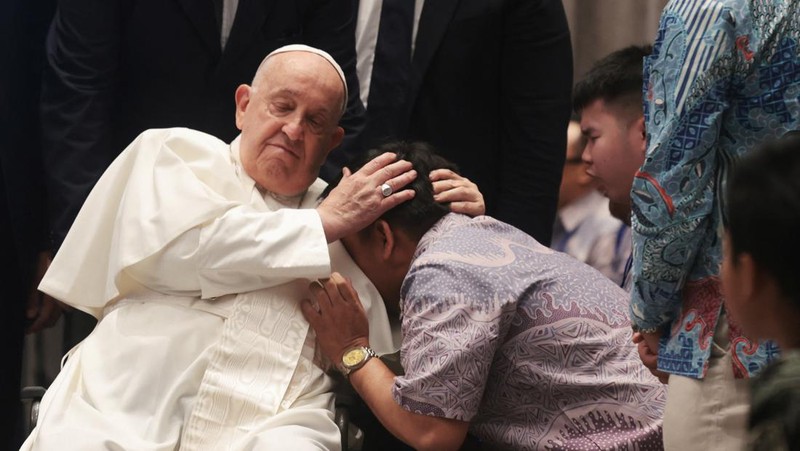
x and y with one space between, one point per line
461 245
776 404
183 134
188 143
464 234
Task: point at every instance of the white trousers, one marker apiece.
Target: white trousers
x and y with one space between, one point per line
711 413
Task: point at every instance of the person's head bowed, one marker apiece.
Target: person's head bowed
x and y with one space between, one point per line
384 248
289 118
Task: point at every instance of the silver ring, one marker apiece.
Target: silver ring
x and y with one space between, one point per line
386 190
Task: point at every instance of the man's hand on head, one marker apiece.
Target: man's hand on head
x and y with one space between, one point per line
462 194
338 317
359 199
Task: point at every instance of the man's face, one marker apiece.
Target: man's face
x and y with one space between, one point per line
288 120
614 149
385 264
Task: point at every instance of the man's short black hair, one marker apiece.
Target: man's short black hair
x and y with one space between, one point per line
615 78
419 214
763 195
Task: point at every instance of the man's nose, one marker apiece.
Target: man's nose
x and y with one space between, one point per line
586 155
293 128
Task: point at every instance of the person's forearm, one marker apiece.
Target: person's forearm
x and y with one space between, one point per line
374 383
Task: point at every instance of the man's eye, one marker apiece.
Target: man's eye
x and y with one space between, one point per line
314 124
281 107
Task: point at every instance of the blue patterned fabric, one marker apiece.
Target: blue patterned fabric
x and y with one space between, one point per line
724 76
529 345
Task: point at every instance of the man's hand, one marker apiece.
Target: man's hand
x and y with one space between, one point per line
357 201
463 195
338 319
648 353
42 311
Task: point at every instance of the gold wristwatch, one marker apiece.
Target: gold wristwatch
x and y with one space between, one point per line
354 358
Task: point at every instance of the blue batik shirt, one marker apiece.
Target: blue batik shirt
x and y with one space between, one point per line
723 77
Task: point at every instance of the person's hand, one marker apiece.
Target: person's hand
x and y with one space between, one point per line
42 311
338 317
649 354
358 201
463 195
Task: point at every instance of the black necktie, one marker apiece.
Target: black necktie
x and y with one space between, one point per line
391 70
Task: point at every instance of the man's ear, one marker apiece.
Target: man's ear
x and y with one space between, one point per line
336 139
641 133
387 237
242 101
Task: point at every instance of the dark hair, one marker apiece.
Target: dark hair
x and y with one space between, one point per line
615 78
419 214
763 203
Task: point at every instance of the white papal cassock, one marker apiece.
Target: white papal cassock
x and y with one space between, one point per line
196 278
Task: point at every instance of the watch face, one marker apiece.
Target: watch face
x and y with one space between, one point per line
353 357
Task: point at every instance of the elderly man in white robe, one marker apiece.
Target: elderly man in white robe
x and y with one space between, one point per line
194 255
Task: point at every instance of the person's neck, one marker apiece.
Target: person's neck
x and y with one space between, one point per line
284 199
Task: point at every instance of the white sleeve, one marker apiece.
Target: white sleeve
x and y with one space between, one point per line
243 250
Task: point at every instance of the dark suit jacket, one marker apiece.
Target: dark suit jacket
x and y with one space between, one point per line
118 67
491 86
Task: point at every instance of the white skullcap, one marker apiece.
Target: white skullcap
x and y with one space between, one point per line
322 53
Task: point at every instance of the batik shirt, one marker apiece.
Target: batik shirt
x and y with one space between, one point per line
529 345
724 75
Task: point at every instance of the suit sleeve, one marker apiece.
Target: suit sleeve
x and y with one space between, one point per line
331 26
80 78
535 88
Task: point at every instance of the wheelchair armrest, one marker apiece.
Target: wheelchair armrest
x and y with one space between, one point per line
31 397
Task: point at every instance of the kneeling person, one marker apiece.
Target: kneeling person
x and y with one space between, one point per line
503 338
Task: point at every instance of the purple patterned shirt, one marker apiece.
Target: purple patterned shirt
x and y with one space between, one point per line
530 346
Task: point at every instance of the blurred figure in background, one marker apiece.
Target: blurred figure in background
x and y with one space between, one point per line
759 279
584 226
